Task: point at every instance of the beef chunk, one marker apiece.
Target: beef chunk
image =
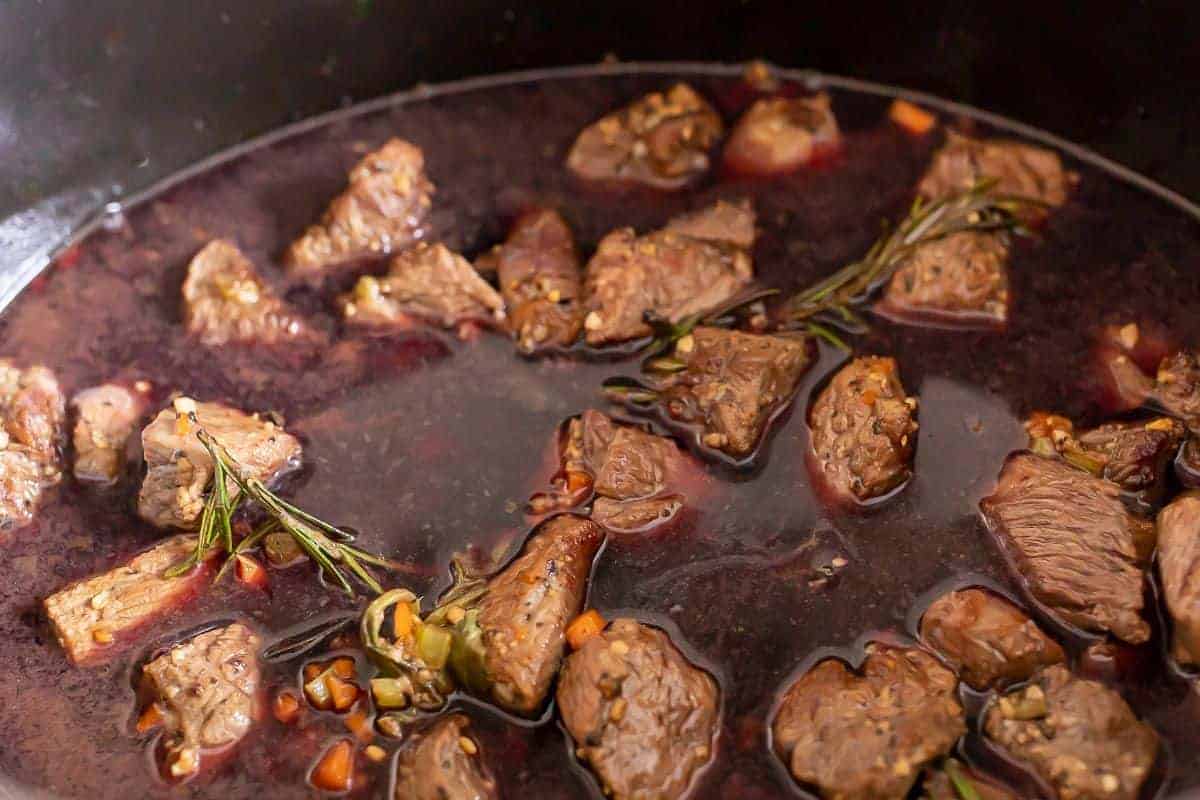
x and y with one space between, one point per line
959 280
642 716
780 134
207 692
540 279
225 300
90 617
1077 735
988 640
661 140
384 209
31 427
1020 169
1072 542
429 282
1179 566
179 468
864 430
732 223
444 762
938 785
1177 387
733 384
637 479
851 735
667 274
524 615
105 419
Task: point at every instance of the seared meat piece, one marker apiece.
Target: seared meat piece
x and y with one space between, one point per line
780 134
31 429
1020 169
207 692
105 419
938 785
91 616
1177 387
868 735
1179 566
642 716
443 762
864 430
1133 455
960 280
179 467
429 282
660 140
988 640
225 300
733 384
384 209
636 478
540 278
1072 542
732 223
524 615
1078 735
664 273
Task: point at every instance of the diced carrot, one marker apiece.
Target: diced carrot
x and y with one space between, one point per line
402 621
251 572
577 481
343 693
912 118
584 627
335 770
312 670
358 723
150 719
286 707
344 668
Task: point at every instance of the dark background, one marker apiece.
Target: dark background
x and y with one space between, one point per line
101 98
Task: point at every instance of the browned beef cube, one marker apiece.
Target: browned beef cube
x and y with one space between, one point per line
1179 566
733 384
1019 169
864 430
988 640
105 419
429 282
664 273
540 277
938 785
225 300
959 280
1078 735
32 413
444 762
661 140
732 223
383 209
207 692
868 734
642 716
1177 387
93 617
1073 544
781 134
524 615
179 468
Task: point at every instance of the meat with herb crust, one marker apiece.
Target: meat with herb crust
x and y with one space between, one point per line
105 419
1073 544
1179 568
661 140
723 221
780 134
32 414
867 734
864 430
960 280
988 640
1020 169
384 209
179 468
93 617
1077 735
430 282
225 301
641 715
206 690
444 762
732 384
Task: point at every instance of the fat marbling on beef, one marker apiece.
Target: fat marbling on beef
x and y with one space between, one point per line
640 714
960 280
867 734
1077 735
1019 169
661 140
1073 543
106 417
1179 567
32 413
780 134
444 762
